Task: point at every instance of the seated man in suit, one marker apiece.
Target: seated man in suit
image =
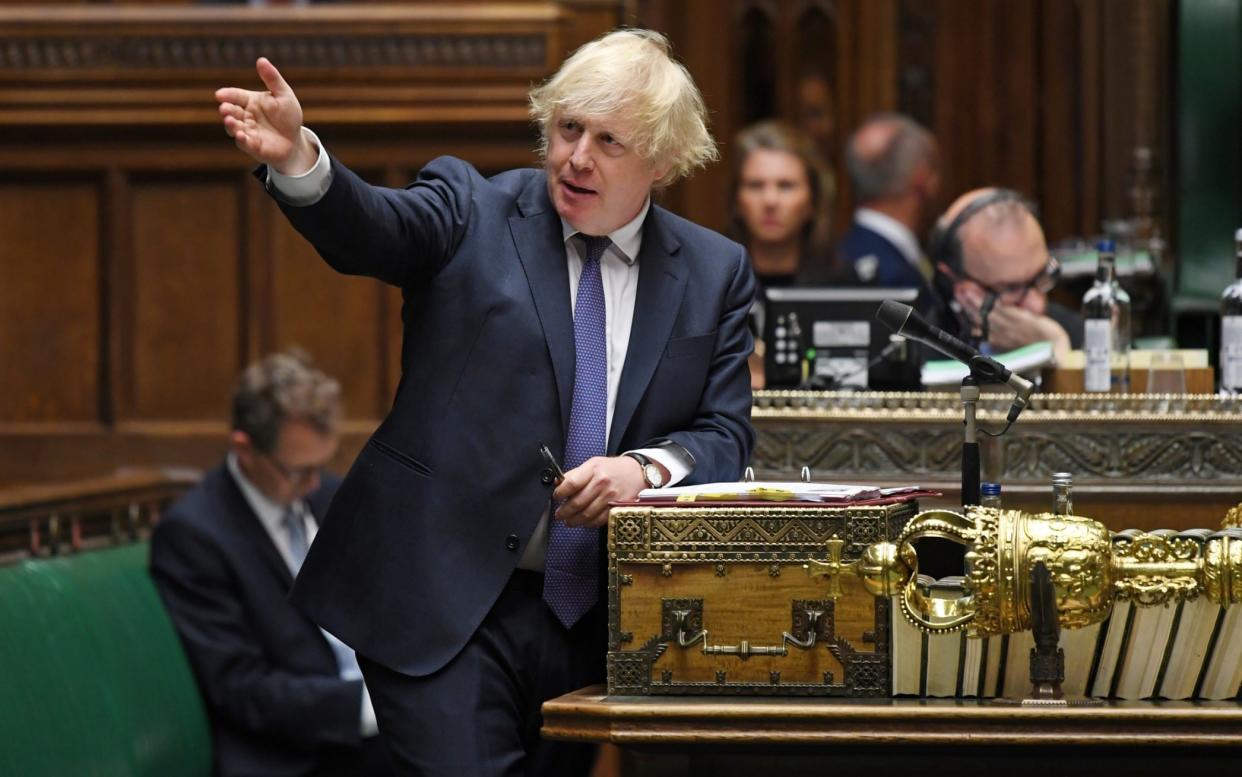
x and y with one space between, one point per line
994 273
894 166
554 305
283 696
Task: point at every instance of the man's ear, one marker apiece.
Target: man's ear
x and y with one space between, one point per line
659 169
240 443
955 283
923 180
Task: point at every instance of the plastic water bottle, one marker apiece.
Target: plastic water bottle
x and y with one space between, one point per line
990 495
1062 493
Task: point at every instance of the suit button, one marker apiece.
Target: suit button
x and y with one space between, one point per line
512 542
546 477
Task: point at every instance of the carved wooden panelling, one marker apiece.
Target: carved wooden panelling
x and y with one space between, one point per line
1159 439
351 64
142 266
887 451
49 301
338 319
1152 455
185 336
865 449
324 50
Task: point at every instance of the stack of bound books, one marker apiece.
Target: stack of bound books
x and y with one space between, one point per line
1182 650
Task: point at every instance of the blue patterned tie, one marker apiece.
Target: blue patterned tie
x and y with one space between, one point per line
572 561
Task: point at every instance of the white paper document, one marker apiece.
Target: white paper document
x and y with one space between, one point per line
770 491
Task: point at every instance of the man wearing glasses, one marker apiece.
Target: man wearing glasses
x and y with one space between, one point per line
994 271
284 697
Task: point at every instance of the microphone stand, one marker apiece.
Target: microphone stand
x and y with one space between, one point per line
938 556
982 369
971 461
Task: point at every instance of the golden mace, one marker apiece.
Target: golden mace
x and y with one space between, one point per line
1089 567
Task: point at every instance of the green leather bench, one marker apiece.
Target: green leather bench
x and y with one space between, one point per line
93 680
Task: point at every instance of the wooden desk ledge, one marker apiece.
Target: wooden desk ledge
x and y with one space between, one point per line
589 715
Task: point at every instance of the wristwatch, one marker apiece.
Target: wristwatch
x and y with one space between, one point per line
651 471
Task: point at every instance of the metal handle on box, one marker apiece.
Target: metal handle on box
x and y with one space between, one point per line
745 649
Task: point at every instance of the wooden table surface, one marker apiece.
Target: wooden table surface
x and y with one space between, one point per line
589 715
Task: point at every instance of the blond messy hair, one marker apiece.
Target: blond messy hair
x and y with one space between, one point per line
631 74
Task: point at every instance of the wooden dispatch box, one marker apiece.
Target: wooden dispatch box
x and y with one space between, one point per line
729 581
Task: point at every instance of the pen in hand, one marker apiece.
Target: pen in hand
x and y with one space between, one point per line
557 472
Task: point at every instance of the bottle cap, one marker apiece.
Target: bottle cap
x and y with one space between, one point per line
1106 246
1062 478
989 489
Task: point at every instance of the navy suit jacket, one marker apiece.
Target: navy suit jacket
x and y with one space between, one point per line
438 507
270 679
877 262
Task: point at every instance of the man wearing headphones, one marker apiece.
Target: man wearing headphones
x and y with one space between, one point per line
994 272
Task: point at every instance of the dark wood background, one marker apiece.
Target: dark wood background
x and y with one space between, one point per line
142 266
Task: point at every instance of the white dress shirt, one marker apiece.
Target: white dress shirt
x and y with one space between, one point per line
618 269
272 515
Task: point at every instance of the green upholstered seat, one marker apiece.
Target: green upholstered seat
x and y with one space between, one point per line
93 680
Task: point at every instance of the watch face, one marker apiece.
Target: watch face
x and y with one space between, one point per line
654 477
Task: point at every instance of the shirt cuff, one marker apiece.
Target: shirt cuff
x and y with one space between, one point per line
676 465
369 727
307 188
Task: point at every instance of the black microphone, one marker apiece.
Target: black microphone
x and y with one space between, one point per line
985 310
904 321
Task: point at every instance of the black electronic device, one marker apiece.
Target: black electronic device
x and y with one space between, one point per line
829 338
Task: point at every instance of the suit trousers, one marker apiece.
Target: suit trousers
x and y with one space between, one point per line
479 716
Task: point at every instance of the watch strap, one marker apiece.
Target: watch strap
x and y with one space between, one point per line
639 457
643 461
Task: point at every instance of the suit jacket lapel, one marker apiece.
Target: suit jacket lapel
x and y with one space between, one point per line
253 534
537 235
661 286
